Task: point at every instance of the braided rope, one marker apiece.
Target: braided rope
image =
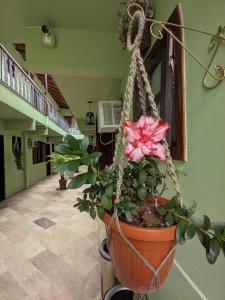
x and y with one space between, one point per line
141 91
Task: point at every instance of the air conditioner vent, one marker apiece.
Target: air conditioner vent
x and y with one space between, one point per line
109 114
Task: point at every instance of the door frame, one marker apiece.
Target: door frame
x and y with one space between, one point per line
2 169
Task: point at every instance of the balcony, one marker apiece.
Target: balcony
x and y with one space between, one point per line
17 80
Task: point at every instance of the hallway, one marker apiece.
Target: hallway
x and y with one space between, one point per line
48 250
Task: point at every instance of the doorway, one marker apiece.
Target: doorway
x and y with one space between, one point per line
2 169
48 164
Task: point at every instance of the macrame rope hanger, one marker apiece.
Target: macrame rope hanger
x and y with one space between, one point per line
219 75
137 70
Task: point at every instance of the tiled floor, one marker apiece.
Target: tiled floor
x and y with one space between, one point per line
48 250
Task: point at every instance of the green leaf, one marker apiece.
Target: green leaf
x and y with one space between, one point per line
162 211
78 181
169 219
180 237
179 171
72 142
64 149
91 190
151 181
192 208
136 184
106 202
214 247
95 155
92 212
109 190
100 212
207 222
211 258
142 193
92 177
69 167
218 233
142 176
84 143
86 160
203 238
174 202
128 216
190 231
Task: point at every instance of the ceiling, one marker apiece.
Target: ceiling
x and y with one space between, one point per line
8 113
78 91
90 15
93 15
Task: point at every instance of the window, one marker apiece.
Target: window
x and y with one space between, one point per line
165 68
39 152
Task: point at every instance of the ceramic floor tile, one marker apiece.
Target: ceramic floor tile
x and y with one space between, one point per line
29 247
44 222
9 288
55 258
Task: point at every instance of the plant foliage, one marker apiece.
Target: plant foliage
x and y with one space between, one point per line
142 181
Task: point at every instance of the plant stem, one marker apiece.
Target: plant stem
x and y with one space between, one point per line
190 222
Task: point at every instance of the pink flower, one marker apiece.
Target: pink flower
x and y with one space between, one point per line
145 138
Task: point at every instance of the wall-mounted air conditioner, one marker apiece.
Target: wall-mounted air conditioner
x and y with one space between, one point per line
109 115
31 143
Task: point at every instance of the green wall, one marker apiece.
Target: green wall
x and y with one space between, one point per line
16 180
205 112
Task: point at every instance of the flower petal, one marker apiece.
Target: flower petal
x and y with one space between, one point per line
141 121
136 154
131 131
129 148
159 151
160 131
145 149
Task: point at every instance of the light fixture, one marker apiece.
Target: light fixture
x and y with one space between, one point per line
48 37
90 118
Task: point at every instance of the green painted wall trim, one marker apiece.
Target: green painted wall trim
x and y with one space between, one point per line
205 111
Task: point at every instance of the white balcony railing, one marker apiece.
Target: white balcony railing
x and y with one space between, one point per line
17 80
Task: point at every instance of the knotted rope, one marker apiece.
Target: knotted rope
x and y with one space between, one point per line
137 71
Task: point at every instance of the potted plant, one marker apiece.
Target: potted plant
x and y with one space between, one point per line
59 161
153 224
143 226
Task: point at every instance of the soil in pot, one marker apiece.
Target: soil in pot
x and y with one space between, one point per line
153 243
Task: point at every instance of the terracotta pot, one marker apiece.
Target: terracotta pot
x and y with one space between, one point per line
62 184
153 243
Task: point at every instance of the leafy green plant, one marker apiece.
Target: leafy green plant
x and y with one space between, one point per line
71 155
143 180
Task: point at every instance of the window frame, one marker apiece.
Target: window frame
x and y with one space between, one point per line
172 92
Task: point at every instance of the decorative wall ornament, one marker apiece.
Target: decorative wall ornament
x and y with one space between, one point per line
217 38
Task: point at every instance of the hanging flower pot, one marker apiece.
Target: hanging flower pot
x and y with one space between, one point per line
153 243
143 227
